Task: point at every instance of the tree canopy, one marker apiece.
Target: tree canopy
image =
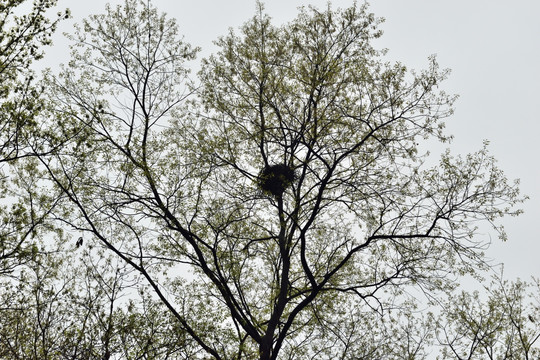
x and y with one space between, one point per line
22 37
275 206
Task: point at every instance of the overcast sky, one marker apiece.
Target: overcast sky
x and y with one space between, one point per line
492 47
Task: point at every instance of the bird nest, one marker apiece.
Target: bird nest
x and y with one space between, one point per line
274 179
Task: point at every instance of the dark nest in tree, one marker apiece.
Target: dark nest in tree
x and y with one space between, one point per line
274 179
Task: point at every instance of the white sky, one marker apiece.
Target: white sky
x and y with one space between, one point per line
492 47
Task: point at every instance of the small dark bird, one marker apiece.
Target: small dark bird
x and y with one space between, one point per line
531 318
79 242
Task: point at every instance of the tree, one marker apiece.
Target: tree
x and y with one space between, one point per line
286 200
21 40
72 306
22 37
501 326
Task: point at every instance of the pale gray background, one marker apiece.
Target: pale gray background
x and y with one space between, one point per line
492 47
